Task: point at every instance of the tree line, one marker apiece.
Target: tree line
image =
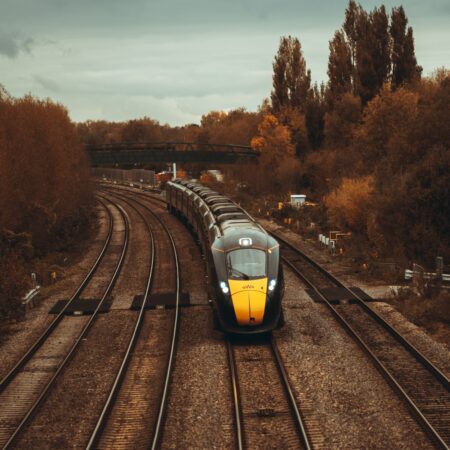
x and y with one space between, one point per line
45 190
370 49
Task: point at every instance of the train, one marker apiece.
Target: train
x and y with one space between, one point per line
246 283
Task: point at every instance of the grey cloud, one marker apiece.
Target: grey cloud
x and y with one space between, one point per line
11 44
47 83
175 60
179 15
113 17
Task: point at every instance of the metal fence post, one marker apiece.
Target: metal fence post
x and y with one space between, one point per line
439 272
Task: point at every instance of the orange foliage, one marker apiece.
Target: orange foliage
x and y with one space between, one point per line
274 139
341 122
387 122
207 179
349 204
142 130
44 190
317 168
44 173
234 127
402 143
295 120
278 166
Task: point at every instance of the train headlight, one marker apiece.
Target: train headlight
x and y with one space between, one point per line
272 284
245 242
224 287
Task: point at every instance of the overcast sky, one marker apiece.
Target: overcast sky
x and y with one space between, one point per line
174 60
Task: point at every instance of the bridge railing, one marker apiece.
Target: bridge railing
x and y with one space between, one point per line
177 146
135 153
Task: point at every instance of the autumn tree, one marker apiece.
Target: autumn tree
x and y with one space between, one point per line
372 62
280 95
291 80
44 173
385 130
380 46
369 51
404 141
314 116
410 219
432 128
349 204
237 126
141 130
342 121
98 132
404 64
273 140
45 189
295 120
340 68
317 169
278 165
350 28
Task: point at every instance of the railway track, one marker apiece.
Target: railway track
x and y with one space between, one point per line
265 409
38 343
25 388
418 382
129 412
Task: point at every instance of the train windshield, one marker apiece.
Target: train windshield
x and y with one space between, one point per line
244 264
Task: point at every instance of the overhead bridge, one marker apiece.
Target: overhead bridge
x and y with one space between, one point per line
126 153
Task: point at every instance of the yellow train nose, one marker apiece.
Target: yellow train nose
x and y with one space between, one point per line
249 300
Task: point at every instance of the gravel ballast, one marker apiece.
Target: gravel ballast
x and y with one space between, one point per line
23 333
348 403
200 409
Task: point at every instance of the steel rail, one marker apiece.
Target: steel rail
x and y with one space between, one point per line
171 360
102 421
158 428
396 334
125 189
290 394
236 399
286 385
38 343
42 396
422 420
235 386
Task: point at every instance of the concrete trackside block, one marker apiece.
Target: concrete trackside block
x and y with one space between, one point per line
80 307
166 301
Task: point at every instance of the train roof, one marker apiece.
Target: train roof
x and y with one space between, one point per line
233 221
